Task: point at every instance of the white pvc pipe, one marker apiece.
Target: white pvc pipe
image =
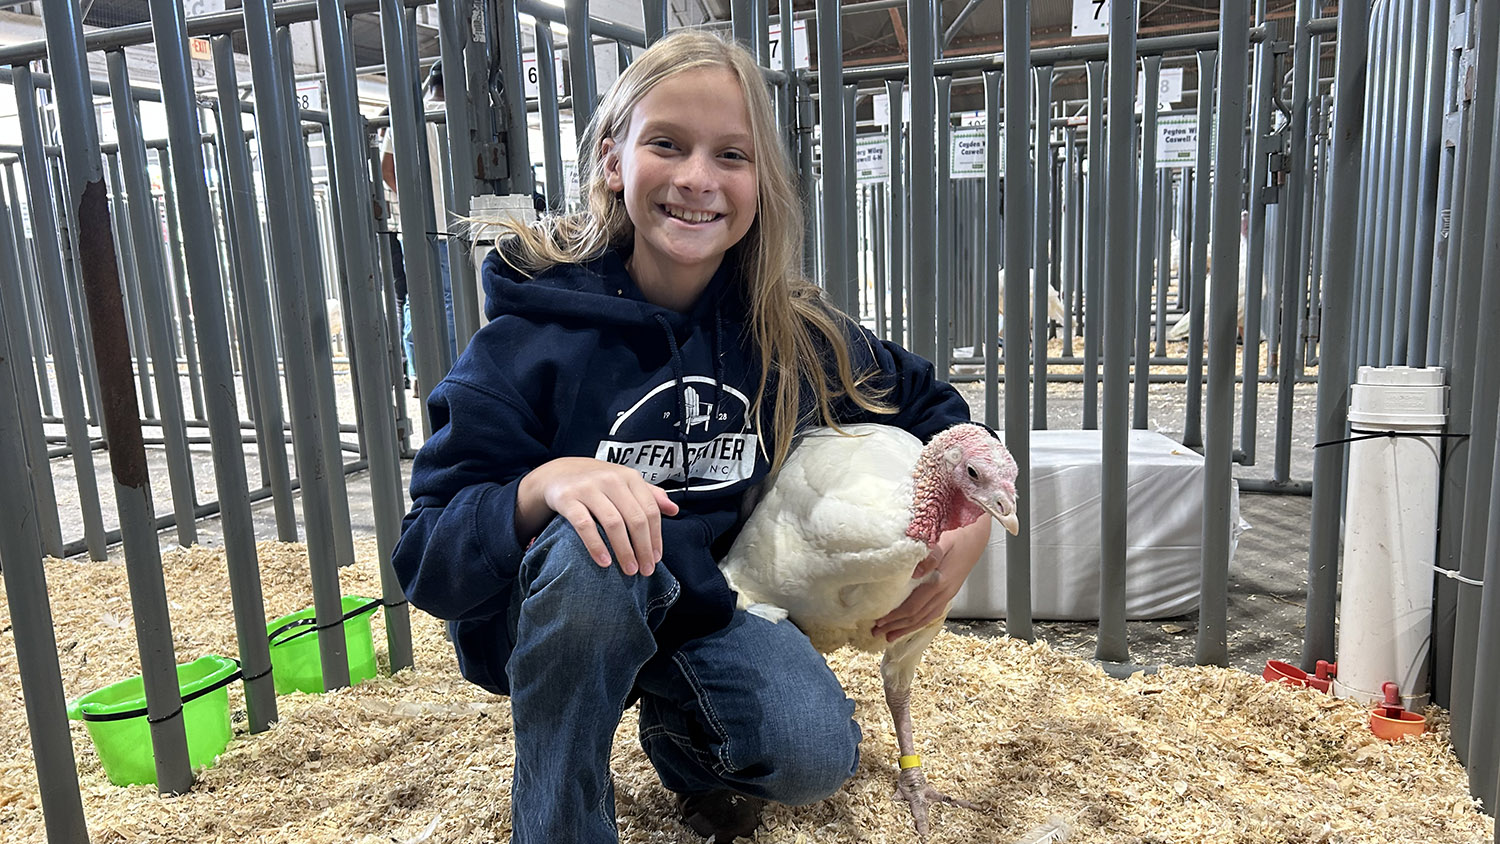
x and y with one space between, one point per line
1390 533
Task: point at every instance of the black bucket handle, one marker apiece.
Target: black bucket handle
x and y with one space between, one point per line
186 699
309 623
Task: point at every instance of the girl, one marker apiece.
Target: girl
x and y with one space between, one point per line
647 362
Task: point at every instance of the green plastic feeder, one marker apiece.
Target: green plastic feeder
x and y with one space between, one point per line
115 717
296 662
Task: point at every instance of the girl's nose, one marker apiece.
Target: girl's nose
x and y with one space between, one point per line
696 174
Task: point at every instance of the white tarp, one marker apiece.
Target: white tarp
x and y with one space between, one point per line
1163 532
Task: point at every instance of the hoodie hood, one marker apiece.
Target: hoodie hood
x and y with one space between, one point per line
599 291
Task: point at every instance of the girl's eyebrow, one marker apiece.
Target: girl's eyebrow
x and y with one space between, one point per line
670 128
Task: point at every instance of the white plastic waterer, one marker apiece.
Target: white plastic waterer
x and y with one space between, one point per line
1390 533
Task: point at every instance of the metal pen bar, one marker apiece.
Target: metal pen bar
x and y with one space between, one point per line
16 335
1255 258
1041 253
831 118
513 122
583 85
896 231
1069 235
314 296
1377 90
425 294
129 285
146 231
1412 157
55 300
850 304
945 215
1192 426
185 317
598 26
26 583
1456 137
185 147
1395 176
1218 457
1424 270
368 326
1018 252
1119 237
1467 411
1066 54
269 417
278 140
654 13
452 41
30 297
921 28
1145 244
1338 292
557 200
127 453
68 244
988 297
1093 247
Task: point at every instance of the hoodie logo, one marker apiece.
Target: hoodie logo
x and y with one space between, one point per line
720 448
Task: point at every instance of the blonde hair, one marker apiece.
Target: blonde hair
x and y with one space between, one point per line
791 323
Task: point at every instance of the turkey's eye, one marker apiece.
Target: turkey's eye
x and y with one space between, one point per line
973 474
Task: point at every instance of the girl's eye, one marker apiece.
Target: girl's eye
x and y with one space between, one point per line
662 143
736 155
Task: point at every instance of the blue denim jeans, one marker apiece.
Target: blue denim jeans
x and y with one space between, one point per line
440 249
753 707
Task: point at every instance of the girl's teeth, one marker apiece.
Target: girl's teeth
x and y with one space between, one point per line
690 216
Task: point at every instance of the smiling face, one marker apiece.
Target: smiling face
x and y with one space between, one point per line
686 170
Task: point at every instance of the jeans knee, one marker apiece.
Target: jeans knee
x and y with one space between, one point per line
810 760
585 602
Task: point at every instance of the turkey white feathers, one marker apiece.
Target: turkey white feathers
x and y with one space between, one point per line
837 536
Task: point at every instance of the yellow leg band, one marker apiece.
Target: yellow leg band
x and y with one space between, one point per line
912 761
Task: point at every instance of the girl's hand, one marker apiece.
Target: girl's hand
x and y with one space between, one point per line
954 556
591 494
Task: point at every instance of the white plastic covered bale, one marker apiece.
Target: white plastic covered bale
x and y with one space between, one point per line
1390 533
1164 530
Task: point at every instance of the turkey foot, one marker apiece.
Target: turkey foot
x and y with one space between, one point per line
912 788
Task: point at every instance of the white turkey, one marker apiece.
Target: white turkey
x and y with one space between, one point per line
1055 309
835 541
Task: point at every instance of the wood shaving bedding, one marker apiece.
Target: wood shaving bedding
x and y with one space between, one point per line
1189 754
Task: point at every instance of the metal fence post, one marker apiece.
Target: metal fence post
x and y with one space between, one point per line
127 452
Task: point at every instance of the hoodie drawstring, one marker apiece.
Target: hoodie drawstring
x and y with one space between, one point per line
683 411
680 403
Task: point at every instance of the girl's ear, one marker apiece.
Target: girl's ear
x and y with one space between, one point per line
609 156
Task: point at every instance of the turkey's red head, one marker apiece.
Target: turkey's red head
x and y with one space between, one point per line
980 475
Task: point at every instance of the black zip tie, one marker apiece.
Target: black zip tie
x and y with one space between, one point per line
1393 435
186 699
265 673
312 624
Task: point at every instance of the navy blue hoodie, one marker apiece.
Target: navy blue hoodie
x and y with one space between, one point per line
576 363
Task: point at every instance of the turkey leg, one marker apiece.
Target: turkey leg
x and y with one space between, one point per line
897 669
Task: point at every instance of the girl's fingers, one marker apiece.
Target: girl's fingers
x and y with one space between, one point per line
578 515
637 522
652 552
608 515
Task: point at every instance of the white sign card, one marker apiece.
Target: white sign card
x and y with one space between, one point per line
1177 141
872 158
531 77
882 105
310 94
800 57
969 146
1091 17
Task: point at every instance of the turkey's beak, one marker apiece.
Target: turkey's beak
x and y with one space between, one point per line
1004 513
